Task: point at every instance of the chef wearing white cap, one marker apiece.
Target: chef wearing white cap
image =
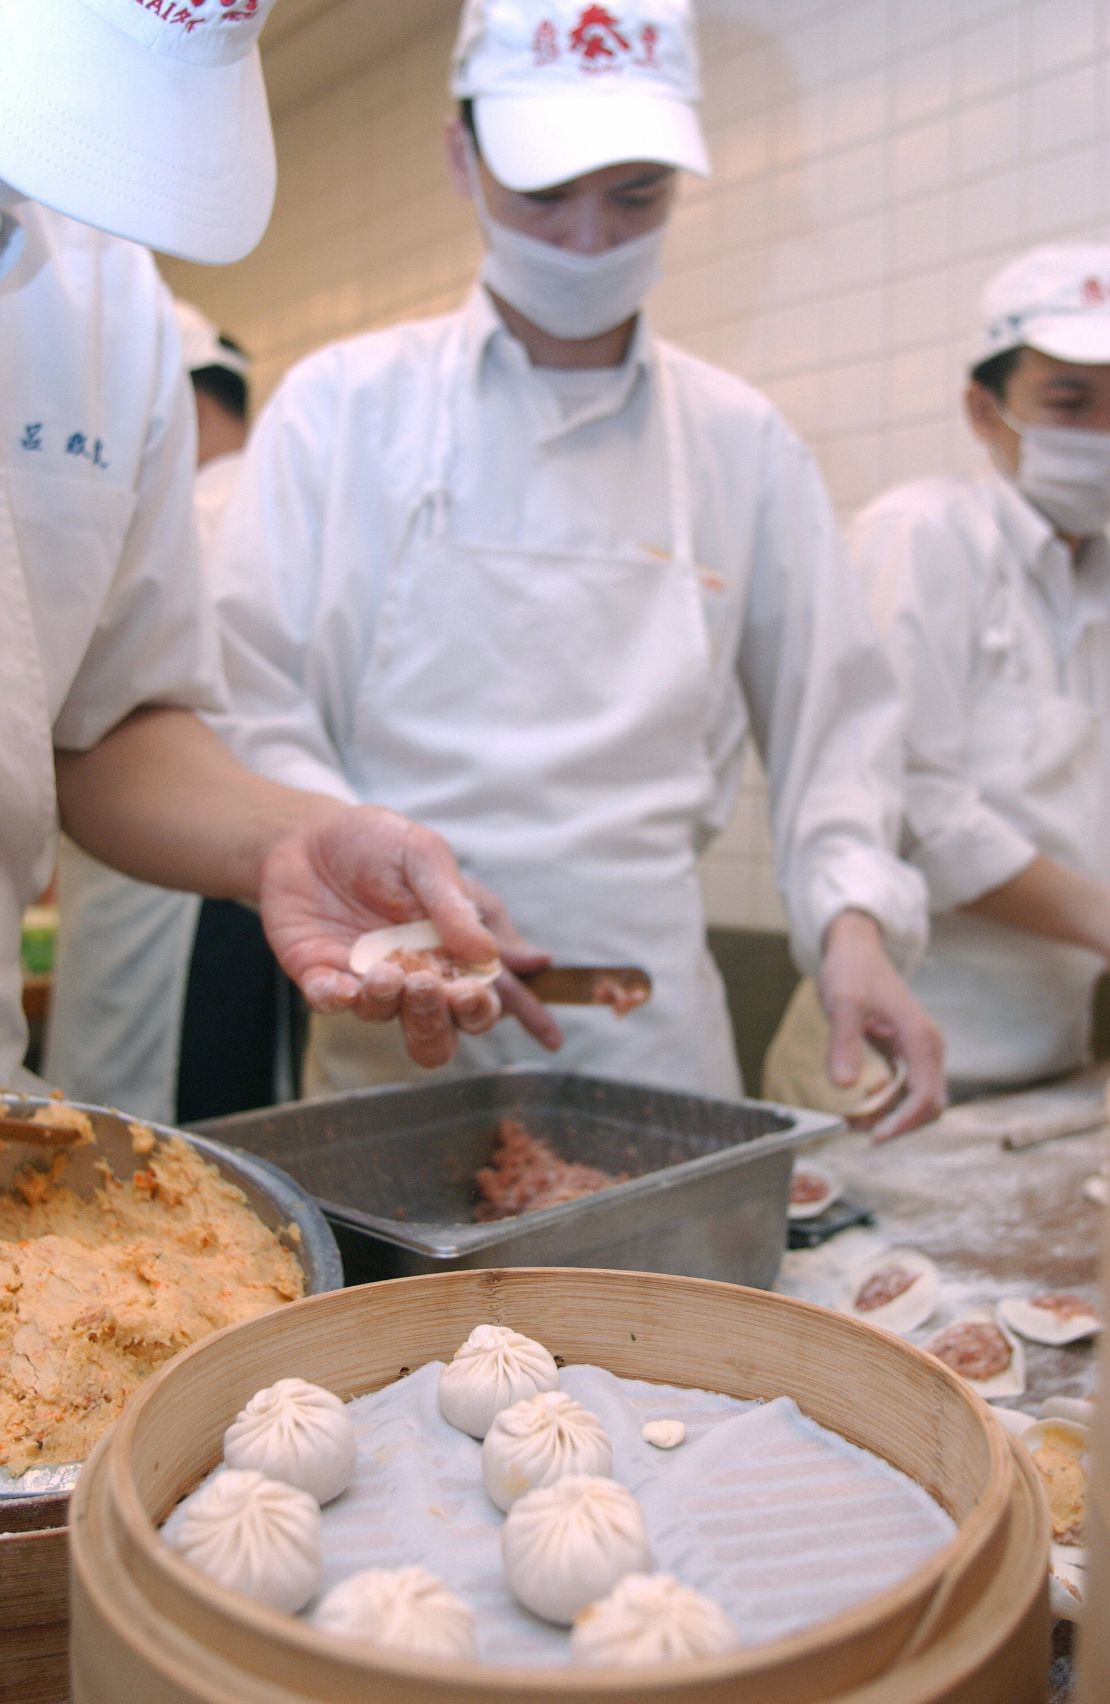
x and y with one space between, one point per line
994 597
531 575
169 1006
150 122
220 373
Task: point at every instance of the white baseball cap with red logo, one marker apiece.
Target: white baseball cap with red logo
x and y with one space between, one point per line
561 88
200 343
1055 299
146 118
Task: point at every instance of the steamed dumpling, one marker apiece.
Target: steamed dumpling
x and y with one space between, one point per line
569 1543
296 1432
494 1368
407 1609
254 1535
540 1440
651 1618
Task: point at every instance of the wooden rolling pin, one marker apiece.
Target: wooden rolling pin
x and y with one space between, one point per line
1073 1121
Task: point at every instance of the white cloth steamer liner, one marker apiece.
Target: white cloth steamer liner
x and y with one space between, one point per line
779 1520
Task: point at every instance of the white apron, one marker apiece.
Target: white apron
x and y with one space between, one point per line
120 976
27 818
548 711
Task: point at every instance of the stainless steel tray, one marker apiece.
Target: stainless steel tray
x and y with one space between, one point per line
276 1198
393 1169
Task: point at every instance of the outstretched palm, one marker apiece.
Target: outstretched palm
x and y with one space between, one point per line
360 868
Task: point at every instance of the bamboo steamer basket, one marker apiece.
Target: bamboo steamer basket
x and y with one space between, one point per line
34 1601
997 1651
1094 1638
34 1562
148 1626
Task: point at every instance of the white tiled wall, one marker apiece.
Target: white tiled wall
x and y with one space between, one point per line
875 161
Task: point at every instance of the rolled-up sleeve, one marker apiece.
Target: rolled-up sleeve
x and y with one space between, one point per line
825 712
920 580
265 567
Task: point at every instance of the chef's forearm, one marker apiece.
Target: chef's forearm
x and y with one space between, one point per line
1046 898
162 799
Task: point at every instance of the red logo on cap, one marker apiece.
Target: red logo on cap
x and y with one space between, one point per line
545 43
598 41
1094 292
173 13
597 37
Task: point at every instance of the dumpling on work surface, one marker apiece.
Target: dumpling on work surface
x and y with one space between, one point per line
1050 1317
1059 1449
254 1535
494 1368
983 1352
407 1609
569 1543
897 1290
538 1441
1012 1420
1078 1408
1067 1587
651 1618
812 1188
296 1432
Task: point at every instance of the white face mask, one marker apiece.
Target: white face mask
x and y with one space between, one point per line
567 294
1065 473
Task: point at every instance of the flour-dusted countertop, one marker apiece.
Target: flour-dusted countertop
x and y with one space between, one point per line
996 1222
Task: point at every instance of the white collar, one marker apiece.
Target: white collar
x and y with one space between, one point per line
1077 590
486 335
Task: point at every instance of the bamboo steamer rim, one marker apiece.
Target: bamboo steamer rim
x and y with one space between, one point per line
140 1542
28 1517
1011 1616
957 1660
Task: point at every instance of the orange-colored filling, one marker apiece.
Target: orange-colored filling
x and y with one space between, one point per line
95 1294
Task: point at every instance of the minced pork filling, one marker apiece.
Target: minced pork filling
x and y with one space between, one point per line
96 1293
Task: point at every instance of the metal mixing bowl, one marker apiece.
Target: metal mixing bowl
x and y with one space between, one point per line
274 1196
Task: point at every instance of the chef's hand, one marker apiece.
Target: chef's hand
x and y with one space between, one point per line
517 954
863 996
362 867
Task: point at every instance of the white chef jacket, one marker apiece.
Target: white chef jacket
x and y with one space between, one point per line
1002 647
212 489
124 947
336 465
99 584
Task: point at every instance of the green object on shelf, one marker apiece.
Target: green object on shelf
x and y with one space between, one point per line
40 930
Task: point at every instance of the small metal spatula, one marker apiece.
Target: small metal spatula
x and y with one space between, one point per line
622 986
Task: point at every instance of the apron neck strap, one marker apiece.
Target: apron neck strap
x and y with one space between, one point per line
680 504
452 370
